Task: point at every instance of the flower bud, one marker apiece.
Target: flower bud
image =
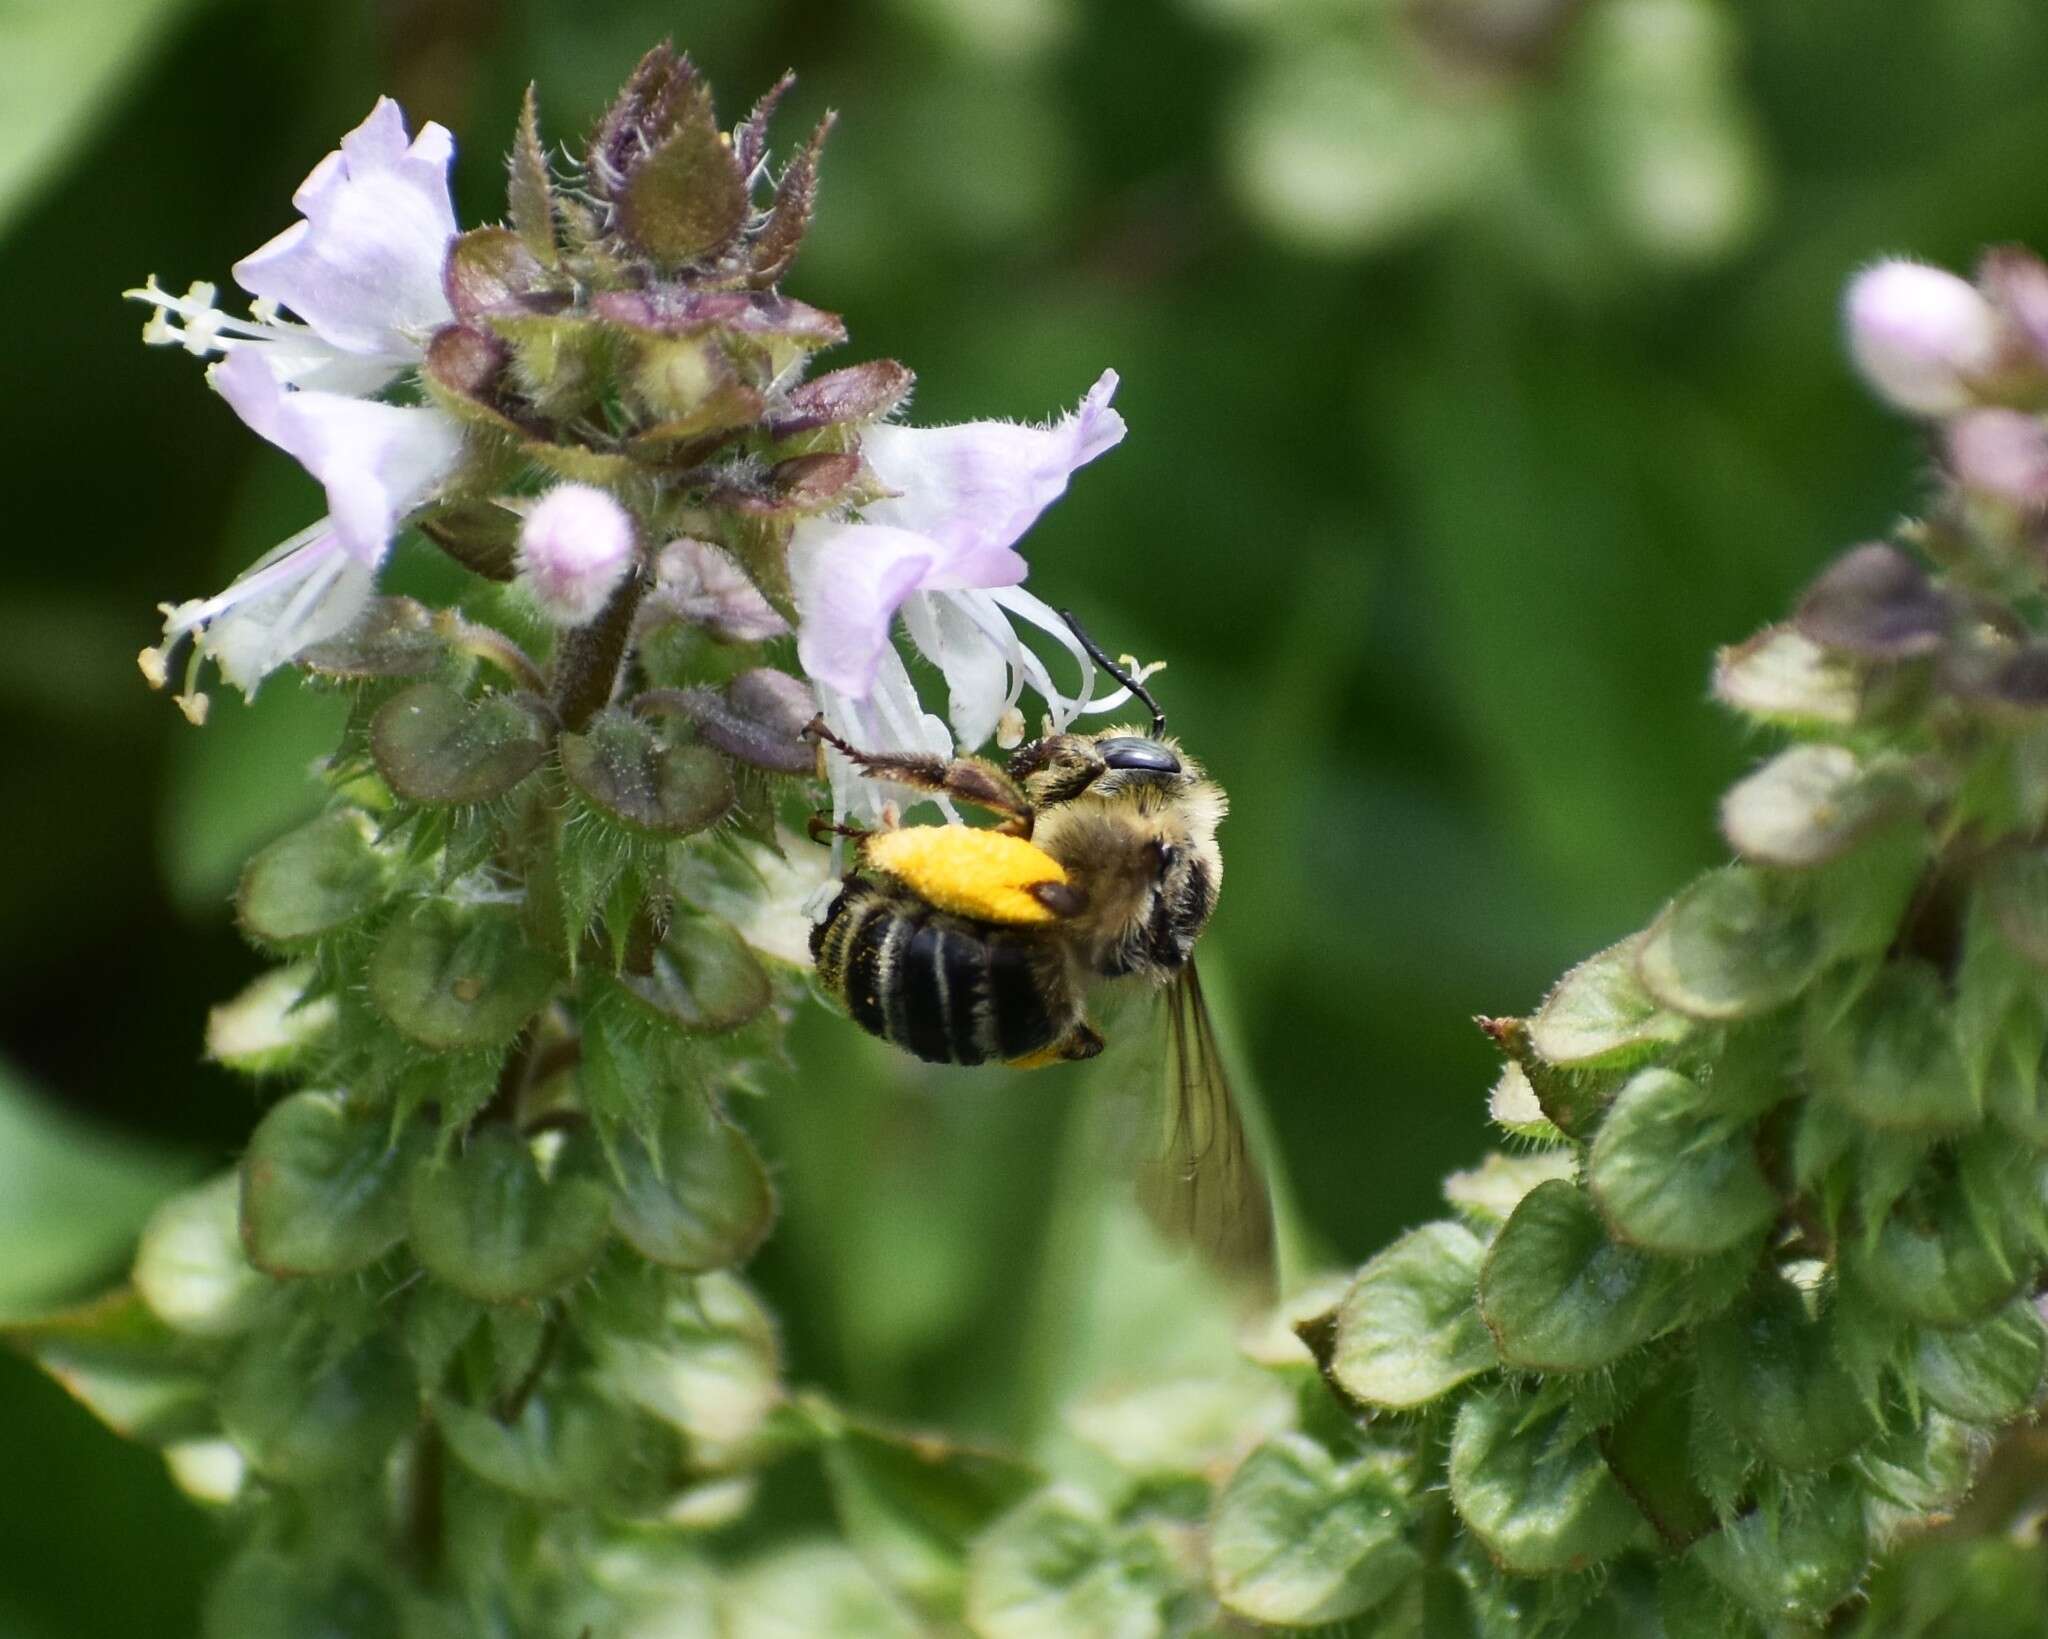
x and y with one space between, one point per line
2002 454
574 548
1919 334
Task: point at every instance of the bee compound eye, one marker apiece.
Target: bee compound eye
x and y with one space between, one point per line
1135 754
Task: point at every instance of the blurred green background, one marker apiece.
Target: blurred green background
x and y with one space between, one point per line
1480 362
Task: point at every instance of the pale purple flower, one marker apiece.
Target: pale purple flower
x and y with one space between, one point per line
1920 335
362 270
575 546
362 273
303 591
941 552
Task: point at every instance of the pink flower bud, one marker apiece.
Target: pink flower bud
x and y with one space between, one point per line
1919 334
574 548
2003 454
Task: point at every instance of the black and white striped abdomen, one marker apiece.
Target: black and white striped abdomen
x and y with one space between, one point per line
949 990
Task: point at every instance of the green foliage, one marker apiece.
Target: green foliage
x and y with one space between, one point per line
1756 1308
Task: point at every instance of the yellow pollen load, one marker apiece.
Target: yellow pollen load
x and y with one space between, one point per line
983 874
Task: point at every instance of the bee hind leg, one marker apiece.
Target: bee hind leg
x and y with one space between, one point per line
967 779
1081 1042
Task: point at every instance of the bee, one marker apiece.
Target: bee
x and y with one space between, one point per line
966 945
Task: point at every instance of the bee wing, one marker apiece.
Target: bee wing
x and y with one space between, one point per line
1202 1185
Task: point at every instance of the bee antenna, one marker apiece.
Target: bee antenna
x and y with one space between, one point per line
1095 653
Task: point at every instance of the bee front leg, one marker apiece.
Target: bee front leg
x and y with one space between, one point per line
967 779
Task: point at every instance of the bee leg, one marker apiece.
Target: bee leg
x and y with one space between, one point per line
818 827
1057 768
1081 1042
968 779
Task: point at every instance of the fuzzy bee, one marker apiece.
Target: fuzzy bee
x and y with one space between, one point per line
967 945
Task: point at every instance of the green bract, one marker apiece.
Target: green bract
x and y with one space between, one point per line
491 1223
1407 1331
1672 1173
1533 1489
1560 1295
323 1186
1298 1538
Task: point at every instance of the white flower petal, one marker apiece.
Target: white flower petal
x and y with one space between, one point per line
849 580
302 592
364 267
976 488
377 461
978 668
890 719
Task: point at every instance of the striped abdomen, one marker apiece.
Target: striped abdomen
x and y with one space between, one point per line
947 989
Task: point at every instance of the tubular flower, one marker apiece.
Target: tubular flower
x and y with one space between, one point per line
941 552
362 272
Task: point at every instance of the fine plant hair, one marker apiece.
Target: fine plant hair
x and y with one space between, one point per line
1734 1335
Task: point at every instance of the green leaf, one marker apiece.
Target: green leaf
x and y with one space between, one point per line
706 1363
705 979
436 1323
1809 805
1958 1588
1890 1056
2016 890
1166 1426
811 1588
313 881
1649 1451
1057 1567
1408 1330
312 1403
1924 1467
1559 1295
492 1224
1599 1016
393 637
695 1196
263 1593
1796 1556
1941 1257
449 978
1536 1493
1693 1606
323 1185
1770 1373
125 1366
912 1505
433 746
1296 1538
1738 942
1989 1373
631 775
568 1447
1674 1173
65 67
72 1197
191 1268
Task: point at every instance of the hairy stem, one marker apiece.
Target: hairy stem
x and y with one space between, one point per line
587 663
